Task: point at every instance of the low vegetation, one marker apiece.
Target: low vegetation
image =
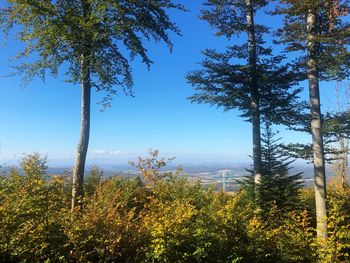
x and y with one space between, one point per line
166 219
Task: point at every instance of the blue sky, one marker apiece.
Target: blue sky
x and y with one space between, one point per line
45 117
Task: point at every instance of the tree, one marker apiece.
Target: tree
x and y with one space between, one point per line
34 165
150 167
279 187
245 77
92 37
342 163
315 30
93 180
335 129
32 209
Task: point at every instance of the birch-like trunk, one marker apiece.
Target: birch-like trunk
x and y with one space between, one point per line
316 127
78 174
255 111
342 170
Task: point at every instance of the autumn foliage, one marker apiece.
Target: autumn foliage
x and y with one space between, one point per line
169 219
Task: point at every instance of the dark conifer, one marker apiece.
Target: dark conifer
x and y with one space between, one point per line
246 76
279 187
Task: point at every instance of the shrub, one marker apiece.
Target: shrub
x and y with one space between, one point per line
160 218
31 221
109 228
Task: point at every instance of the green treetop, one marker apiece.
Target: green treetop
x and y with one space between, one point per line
279 187
95 39
246 76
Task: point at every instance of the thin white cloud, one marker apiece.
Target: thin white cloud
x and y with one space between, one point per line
100 152
106 152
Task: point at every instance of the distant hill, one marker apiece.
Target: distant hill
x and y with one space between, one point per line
199 171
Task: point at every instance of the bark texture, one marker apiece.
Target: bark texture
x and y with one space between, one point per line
255 111
79 168
78 174
316 126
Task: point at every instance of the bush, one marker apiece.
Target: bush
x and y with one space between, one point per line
31 221
337 247
109 228
161 218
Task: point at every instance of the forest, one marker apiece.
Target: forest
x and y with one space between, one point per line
160 215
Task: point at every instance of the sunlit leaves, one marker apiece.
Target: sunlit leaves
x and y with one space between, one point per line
109 33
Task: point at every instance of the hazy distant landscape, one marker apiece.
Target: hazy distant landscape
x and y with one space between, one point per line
174 131
207 174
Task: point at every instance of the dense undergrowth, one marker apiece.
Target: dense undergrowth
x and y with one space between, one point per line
166 219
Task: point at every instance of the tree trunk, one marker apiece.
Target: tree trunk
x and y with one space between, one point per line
255 111
344 148
341 166
316 127
78 174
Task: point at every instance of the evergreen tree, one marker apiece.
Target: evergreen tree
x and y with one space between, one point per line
92 38
247 76
335 127
316 30
279 187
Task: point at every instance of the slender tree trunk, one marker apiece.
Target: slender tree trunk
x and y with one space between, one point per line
341 166
255 111
343 162
316 127
78 174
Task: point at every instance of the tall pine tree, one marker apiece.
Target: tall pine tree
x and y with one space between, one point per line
316 30
246 76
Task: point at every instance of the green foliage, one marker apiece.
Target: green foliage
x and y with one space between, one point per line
337 247
171 220
224 77
30 214
103 32
34 165
331 36
277 238
109 229
278 187
93 180
182 224
228 17
335 126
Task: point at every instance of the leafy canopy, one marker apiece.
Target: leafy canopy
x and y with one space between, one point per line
106 32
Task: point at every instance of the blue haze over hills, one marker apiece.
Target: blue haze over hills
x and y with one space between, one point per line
206 173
